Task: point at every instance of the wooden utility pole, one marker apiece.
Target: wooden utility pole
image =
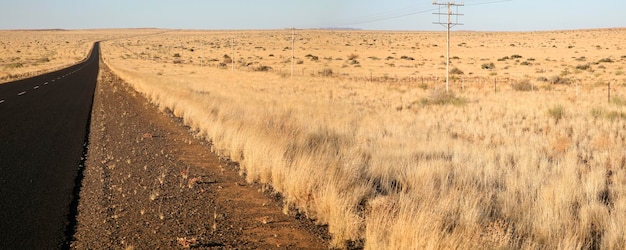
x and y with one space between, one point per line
233 59
449 24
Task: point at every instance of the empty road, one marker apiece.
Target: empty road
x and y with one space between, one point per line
43 128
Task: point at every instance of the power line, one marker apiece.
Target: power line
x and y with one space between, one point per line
384 14
483 3
390 18
374 17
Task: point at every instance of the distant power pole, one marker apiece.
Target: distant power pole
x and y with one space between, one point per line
293 45
201 50
448 26
233 59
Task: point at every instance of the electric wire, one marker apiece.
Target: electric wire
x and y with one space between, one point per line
390 18
384 14
376 19
492 2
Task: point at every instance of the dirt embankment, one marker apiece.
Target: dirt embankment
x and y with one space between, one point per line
149 184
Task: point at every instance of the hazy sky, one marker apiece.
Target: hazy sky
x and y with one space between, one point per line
514 15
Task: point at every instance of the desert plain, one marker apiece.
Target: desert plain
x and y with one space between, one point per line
355 129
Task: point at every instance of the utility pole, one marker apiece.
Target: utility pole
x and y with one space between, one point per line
293 45
448 26
201 50
233 59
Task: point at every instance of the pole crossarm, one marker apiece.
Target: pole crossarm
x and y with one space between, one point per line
450 12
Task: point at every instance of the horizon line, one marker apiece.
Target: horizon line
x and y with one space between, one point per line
319 28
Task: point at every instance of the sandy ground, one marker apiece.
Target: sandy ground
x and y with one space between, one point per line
150 184
585 55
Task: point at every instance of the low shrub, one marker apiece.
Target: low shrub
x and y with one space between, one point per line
439 96
618 100
353 56
326 72
263 68
227 60
559 80
312 57
14 65
597 112
557 112
606 60
523 85
488 66
456 71
615 115
423 86
583 67
43 60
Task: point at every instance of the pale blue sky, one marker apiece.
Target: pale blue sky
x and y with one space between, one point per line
515 15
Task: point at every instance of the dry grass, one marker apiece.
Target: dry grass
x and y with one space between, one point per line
383 169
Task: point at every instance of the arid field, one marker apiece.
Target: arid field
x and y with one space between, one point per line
25 53
526 151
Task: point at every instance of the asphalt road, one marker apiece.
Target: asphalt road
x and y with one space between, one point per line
43 128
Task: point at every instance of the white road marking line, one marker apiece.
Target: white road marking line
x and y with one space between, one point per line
36 87
45 83
21 93
1 101
53 80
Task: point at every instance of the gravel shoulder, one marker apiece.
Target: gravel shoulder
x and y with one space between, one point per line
149 184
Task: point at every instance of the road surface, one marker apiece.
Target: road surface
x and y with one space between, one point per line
43 129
